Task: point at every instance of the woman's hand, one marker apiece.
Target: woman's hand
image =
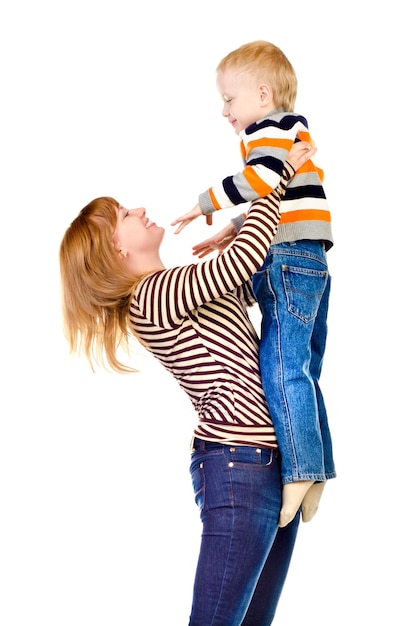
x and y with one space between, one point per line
218 242
300 153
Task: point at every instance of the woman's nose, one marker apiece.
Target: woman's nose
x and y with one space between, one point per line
140 212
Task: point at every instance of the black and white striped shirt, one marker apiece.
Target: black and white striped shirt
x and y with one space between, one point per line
193 319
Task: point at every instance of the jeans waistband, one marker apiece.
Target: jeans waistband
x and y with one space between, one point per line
205 446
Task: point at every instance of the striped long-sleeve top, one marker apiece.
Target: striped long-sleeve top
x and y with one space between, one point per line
264 146
194 320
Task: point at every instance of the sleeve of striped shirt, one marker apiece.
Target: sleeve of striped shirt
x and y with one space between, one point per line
264 151
245 294
167 296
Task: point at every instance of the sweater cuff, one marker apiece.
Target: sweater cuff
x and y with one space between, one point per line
205 203
238 221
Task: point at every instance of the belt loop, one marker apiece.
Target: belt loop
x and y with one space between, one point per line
198 444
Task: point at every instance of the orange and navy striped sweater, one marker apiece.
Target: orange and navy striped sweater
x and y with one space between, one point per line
265 146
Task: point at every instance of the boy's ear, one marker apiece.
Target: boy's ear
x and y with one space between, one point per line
265 93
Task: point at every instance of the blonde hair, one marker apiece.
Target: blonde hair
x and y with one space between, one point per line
96 287
270 65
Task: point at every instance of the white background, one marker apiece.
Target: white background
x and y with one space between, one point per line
97 521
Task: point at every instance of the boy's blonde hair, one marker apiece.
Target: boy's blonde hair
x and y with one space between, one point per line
270 65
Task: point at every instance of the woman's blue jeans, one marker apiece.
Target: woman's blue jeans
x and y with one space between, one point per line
292 289
244 556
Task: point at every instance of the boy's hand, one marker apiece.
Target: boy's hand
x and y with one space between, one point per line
185 219
219 242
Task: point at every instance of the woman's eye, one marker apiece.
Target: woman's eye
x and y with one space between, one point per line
127 213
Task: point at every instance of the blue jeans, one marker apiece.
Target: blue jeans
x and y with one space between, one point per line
292 289
244 556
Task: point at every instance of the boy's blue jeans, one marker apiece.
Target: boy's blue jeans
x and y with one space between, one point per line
292 289
244 556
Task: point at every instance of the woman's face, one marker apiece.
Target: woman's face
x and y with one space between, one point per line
136 237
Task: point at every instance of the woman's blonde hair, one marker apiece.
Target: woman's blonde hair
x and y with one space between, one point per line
96 287
270 65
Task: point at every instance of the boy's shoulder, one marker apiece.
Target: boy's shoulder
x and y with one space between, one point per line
276 121
286 117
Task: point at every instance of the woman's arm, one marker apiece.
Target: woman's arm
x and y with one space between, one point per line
167 296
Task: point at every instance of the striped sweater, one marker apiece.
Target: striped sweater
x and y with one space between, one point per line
193 319
264 146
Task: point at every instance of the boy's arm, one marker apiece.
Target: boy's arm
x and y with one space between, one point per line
185 219
264 148
266 152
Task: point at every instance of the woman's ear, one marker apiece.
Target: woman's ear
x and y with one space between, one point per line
121 251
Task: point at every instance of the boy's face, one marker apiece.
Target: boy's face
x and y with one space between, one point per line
245 100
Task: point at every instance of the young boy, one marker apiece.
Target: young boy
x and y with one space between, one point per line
258 86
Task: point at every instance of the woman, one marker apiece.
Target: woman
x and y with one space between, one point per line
193 319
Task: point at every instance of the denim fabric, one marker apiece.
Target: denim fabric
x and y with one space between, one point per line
244 556
292 288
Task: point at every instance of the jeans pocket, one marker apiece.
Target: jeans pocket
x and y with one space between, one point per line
250 456
304 289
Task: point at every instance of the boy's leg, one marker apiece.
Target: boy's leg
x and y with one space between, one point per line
290 288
